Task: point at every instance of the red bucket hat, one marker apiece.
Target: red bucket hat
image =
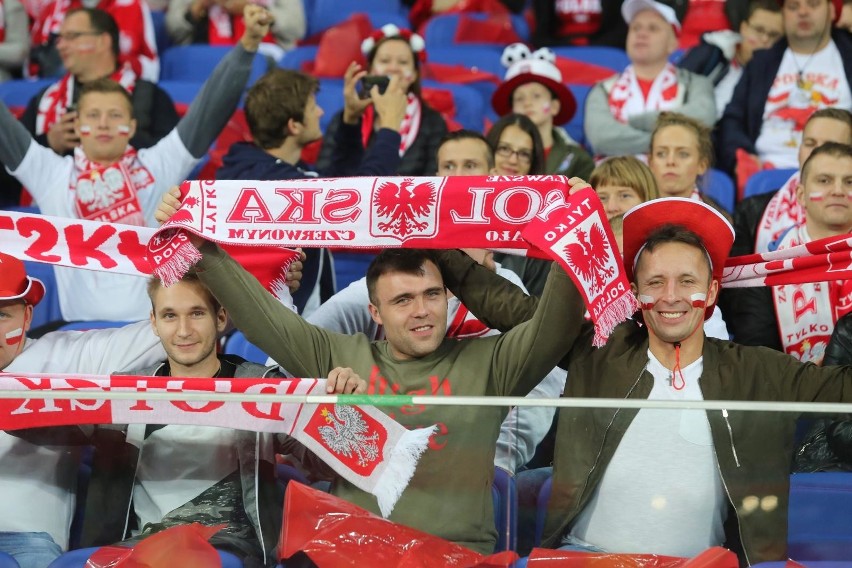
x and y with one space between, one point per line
536 67
15 284
715 231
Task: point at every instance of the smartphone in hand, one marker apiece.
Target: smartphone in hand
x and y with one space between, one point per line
365 85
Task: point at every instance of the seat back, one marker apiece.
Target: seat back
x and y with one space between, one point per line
237 344
574 127
612 57
820 516
454 29
719 186
196 63
327 13
767 180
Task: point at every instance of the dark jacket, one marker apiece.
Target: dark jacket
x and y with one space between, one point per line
740 126
706 59
245 160
108 502
753 450
419 160
750 312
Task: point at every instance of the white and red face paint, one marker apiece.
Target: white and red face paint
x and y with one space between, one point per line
697 300
123 129
15 336
85 130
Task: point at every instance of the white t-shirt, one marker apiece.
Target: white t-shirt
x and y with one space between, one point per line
177 463
724 89
38 483
662 492
790 102
86 294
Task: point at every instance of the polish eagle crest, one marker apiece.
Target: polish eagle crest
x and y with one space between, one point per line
347 435
589 258
405 209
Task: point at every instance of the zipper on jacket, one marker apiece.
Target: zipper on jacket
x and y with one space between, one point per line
730 500
731 436
606 432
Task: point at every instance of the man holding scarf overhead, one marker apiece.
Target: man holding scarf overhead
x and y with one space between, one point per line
671 482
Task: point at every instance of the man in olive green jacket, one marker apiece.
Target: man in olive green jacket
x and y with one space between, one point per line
667 481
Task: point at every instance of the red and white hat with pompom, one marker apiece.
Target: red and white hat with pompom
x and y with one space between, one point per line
532 67
414 40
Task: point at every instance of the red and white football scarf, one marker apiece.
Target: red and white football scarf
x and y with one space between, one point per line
362 213
807 312
121 249
579 237
223 28
361 443
626 97
782 212
59 96
110 193
408 130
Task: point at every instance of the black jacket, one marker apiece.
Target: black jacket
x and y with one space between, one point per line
419 160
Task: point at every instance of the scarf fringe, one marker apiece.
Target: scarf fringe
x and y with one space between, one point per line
182 260
400 467
615 313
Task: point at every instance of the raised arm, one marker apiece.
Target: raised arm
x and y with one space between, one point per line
212 108
14 139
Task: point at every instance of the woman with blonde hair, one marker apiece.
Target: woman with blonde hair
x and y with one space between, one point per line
623 182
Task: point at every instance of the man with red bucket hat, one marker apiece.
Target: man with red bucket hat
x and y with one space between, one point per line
668 481
35 479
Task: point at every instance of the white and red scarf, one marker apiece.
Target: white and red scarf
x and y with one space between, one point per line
627 99
361 443
110 193
782 212
60 95
440 212
408 130
807 312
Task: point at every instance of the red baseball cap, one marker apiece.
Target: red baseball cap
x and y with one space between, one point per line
15 284
716 233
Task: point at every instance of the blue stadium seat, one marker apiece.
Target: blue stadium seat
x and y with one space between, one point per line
718 185
161 34
820 520
196 62
330 98
237 344
574 127
294 58
48 309
505 496
18 92
93 324
470 108
181 92
440 30
767 180
77 559
327 13
7 561
612 57
541 509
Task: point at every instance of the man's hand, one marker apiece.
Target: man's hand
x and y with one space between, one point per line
294 273
257 20
353 105
62 135
169 204
390 106
343 380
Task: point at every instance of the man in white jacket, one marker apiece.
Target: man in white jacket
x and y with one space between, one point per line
37 482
